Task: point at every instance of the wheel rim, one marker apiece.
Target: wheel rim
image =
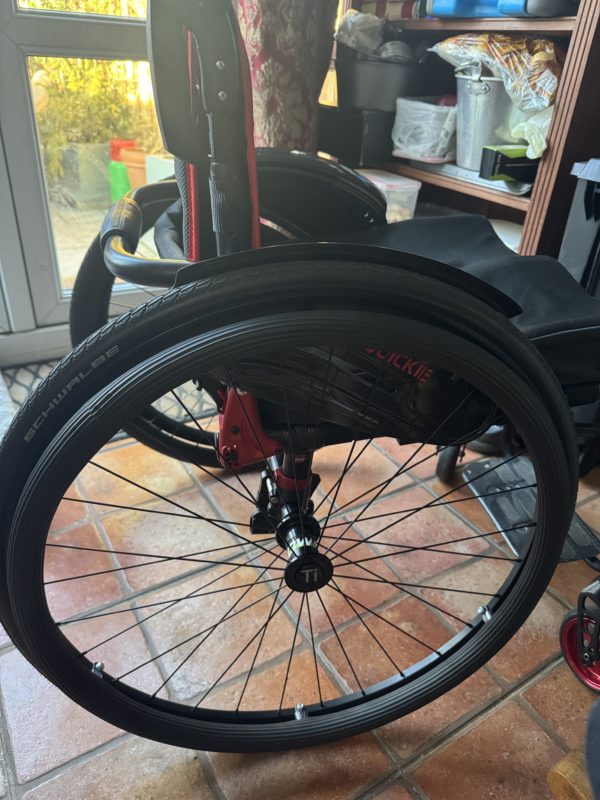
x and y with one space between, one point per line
589 675
375 688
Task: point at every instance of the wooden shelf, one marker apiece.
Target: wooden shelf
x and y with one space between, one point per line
556 26
445 182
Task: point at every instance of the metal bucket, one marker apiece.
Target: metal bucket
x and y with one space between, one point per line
484 118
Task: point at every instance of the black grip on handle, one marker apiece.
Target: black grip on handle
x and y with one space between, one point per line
125 219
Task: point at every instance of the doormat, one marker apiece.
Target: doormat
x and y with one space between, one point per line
21 381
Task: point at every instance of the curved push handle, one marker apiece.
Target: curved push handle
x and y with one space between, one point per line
122 228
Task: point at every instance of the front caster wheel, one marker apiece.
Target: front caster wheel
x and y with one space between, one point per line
588 675
446 463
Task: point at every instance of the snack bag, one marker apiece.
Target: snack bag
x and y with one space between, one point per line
530 68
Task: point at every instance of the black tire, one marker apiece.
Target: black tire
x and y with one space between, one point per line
446 463
217 300
88 312
167 340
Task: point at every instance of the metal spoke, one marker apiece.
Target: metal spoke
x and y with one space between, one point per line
389 622
246 646
314 650
383 483
403 468
369 631
183 508
315 436
428 505
171 603
171 600
412 549
435 505
153 511
162 497
160 558
347 467
337 636
195 636
199 644
149 564
408 592
255 656
402 585
289 663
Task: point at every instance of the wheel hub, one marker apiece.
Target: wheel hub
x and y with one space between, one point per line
307 570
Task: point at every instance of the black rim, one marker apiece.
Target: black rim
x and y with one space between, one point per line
135 389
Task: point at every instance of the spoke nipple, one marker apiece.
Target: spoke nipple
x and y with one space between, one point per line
485 613
220 65
98 669
300 711
222 96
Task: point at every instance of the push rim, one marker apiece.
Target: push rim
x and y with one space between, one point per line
539 561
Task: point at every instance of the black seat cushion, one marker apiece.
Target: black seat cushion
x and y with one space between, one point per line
558 314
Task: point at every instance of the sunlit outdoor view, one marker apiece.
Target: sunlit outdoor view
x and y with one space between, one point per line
98 136
114 8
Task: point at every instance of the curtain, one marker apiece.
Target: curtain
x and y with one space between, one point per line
289 44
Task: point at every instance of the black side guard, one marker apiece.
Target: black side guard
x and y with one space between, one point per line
367 254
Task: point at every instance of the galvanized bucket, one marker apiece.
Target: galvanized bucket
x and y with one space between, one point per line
484 118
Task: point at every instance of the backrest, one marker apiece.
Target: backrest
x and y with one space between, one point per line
203 95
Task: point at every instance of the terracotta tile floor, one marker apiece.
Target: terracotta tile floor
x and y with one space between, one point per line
494 736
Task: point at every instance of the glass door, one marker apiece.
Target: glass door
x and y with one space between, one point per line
75 98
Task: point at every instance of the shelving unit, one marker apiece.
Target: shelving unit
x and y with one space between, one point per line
546 27
454 184
574 134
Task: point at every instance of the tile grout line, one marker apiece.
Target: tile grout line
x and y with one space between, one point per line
210 775
397 777
83 758
8 760
472 722
542 723
374 784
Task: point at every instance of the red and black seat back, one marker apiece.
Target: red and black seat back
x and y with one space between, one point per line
203 94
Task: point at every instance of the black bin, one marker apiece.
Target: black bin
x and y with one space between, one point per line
357 138
372 83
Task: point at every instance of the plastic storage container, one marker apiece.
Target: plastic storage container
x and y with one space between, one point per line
501 8
401 193
372 84
424 130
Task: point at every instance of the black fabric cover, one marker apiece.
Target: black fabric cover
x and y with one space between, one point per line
558 315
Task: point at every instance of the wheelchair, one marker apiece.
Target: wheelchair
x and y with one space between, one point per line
268 561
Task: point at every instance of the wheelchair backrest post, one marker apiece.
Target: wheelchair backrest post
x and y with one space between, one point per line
204 103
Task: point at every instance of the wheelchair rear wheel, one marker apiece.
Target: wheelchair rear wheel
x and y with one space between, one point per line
175 614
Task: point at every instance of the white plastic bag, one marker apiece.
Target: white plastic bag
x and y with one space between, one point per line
361 32
535 132
424 131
